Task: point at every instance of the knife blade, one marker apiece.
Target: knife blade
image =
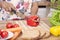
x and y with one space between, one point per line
19 14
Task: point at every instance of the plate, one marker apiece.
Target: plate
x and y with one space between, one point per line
10 35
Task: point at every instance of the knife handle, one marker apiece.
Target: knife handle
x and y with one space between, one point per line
12 10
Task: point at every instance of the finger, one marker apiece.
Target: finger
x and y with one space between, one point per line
11 6
8 6
4 6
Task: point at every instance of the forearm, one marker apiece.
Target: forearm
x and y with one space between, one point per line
0 3
34 8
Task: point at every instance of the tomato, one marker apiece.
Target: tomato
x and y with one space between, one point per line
9 25
32 21
15 25
0 31
4 34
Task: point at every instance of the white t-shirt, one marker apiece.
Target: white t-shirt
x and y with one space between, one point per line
23 6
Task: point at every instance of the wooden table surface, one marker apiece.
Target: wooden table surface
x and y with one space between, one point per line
46 21
51 37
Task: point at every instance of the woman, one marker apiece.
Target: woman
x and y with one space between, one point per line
25 7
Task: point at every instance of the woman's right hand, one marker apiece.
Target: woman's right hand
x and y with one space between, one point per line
7 6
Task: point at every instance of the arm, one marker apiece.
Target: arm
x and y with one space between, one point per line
34 8
0 3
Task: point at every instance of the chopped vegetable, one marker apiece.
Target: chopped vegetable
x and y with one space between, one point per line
55 19
55 30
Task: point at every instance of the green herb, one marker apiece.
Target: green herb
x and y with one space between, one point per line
55 19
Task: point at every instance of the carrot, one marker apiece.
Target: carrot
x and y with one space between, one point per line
14 29
16 34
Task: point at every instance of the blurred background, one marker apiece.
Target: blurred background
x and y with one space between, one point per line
45 7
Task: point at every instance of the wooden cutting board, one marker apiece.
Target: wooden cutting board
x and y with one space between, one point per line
3 24
42 25
47 25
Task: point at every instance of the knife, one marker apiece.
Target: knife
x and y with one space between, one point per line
19 14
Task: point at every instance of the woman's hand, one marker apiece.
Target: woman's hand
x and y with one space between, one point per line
7 6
